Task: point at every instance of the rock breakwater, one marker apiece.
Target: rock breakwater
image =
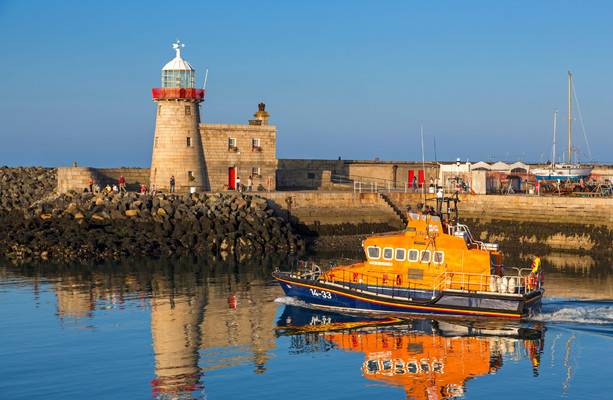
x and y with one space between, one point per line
22 186
85 225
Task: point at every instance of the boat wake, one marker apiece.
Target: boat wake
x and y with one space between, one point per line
578 312
292 301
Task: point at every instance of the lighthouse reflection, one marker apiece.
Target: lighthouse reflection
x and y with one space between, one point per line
429 359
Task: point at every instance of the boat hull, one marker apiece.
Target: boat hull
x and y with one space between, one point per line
448 303
572 173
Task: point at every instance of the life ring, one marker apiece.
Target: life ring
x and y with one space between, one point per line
376 159
269 182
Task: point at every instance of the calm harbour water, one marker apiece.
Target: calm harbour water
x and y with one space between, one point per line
192 328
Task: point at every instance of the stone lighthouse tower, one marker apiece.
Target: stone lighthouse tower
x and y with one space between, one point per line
177 147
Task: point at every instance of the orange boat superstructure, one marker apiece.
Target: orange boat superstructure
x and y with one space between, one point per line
430 253
435 266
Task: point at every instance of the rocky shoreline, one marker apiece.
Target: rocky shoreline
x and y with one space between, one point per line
38 224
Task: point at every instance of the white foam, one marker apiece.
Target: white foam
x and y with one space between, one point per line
291 301
584 315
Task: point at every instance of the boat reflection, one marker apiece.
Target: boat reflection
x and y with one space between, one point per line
430 359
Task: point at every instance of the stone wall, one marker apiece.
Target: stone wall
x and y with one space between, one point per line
549 209
219 157
77 178
335 213
326 174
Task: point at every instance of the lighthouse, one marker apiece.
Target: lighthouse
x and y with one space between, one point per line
177 145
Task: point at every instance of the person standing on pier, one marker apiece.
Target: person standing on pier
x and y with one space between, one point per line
172 184
122 184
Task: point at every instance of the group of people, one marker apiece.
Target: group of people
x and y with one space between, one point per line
240 187
143 190
108 189
121 187
429 210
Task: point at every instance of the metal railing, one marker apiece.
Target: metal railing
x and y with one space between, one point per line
362 184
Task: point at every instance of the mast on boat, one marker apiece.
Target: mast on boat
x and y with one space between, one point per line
569 119
555 117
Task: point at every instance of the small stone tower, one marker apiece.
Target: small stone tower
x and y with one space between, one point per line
177 147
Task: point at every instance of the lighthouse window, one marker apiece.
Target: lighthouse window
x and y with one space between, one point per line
400 254
439 256
373 252
413 255
425 256
188 110
189 141
388 253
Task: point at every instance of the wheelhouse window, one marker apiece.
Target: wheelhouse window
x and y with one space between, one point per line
373 252
439 256
425 256
413 255
388 253
400 254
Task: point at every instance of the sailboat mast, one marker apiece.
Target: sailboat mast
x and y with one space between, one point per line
555 117
569 120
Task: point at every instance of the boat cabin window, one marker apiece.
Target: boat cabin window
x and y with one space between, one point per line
425 256
374 252
413 255
400 254
388 253
439 256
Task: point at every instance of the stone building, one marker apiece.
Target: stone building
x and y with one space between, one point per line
206 157
241 151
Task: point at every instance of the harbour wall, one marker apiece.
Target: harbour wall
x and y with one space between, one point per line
536 224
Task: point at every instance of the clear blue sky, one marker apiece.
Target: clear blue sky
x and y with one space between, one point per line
339 78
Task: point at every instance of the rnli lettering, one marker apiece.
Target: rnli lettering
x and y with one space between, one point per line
321 293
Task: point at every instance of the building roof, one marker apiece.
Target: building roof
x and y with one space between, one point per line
178 63
481 165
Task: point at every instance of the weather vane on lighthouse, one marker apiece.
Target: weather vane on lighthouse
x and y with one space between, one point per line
177 46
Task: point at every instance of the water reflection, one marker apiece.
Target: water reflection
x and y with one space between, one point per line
427 358
205 314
